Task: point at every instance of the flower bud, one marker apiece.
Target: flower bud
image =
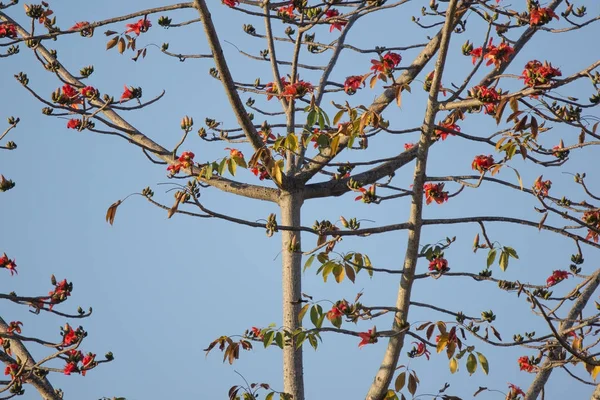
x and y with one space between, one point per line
187 123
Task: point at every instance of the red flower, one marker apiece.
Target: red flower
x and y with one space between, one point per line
556 277
367 195
353 83
14 326
11 369
367 338
476 54
337 23
525 364
482 163
89 91
69 336
67 96
70 367
286 11
186 158
257 332
486 95
233 153
495 54
541 16
439 265
130 93
8 30
514 392
591 218
540 188
230 3
419 350
556 151
139 27
338 310
260 171
298 89
435 192
60 293
74 123
84 28
9 264
448 125
536 73
88 362
387 63
408 146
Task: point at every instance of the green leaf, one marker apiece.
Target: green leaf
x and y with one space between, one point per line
308 262
321 120
327 269
471 364
300 339
314 315
338 116
232 166
279 339
310 119
302 312
313 341
291 142
491 257
503 260
511 252
368 265
326 117
222 166
485 366
268 338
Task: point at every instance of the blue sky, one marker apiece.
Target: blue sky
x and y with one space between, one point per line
162 289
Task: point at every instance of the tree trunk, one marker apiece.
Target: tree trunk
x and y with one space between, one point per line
290 204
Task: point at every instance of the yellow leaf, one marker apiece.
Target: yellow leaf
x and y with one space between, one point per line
595 371
441 344
112 211
453 365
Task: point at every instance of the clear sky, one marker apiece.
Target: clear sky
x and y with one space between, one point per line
163 289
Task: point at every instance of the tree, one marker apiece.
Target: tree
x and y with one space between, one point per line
500 97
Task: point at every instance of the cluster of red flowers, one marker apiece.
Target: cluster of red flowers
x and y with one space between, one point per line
386 64
353 83
257 332
541 188
337 23
139 27
495 54
368 337
435 192
131 93
230 3
482 163
74 357
235 153
67 96
185 160
14 326
61 291
89 92
439 264
526 364
556 277
486 95
514 392
440 134
8 30
9 264
592 218
408 146
539 16
536 73
290 90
